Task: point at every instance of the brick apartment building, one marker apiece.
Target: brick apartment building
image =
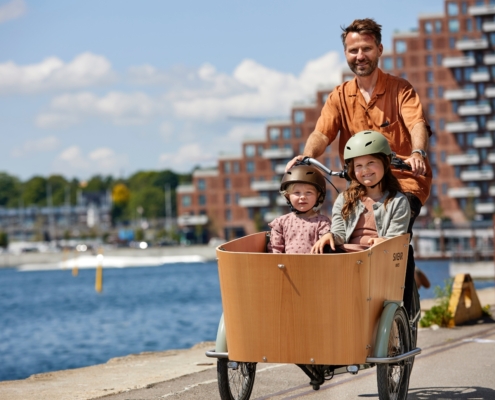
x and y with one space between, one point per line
450 60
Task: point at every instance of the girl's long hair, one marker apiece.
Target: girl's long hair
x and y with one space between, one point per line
356 190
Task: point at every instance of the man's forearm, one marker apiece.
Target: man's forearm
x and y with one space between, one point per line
316 144
419 137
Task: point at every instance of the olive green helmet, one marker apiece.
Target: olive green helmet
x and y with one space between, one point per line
364 143
305 174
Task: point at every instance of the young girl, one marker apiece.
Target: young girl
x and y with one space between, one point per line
304 189
372 208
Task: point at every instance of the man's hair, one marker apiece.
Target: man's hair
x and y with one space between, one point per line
366 26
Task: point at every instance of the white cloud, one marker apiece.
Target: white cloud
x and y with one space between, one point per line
185 157
120 108
45 144
72 161
85 70
12 10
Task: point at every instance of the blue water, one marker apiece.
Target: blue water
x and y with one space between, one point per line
50 320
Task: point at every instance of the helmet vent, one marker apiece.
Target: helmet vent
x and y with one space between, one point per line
367 144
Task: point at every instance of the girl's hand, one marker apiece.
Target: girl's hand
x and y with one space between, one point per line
374 241
327 238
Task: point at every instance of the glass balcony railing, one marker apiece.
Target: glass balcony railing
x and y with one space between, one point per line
460 94
485 208
462 192
488 26
490 92
484 141
265 185
459 127
278 153
478 109
452 62
479 175
192 220
480 76
463 159
480 10
472 44
256 201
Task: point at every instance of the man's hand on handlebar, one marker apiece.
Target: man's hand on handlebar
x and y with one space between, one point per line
292 162
318 247
417 163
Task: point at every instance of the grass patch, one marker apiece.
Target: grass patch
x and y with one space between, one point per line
439 314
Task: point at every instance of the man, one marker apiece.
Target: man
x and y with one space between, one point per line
377 101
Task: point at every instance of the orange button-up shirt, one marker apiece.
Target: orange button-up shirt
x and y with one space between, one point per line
393 110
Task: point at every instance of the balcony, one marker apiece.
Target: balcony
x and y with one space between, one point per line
265 185
478 109
482 10
491 158
463 159
491 191
185 189
480 142
452 62
192 220
278 153
482 76
489 59
485 208
256 201
460 127
472 44
479 175
464 192
488 26
490 92
281 201
280 169
460 94
270 216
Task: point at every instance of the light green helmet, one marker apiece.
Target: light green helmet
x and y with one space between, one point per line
364 143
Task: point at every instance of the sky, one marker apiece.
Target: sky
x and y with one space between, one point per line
114 87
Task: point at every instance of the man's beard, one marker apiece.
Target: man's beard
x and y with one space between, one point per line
372 65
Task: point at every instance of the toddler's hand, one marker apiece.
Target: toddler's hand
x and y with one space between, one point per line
318 247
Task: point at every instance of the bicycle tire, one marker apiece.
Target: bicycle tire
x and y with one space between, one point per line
393 379
235 383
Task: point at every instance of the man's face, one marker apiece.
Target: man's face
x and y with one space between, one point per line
362 53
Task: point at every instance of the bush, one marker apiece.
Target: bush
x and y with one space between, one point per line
439 314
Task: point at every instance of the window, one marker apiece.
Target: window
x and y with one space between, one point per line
429 76
226 183
443 156
400 46
201 184
439 59
441 124
428 27
237 198
433 157
324 97
287 146
445 188
452 43
202 200
299 116
274 133
440 92
227 198
430 93
454 25
434 191
250 150
228 215
468 72
237 167
286 133
250 166
388 63
298 132
186 201
438 26
429 61
261 149
479 23
431 109
301 147
464 8
452 9
226 167
428 44
399 62
469 25
403 75
458 74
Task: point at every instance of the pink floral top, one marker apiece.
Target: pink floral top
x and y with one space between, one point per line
292 234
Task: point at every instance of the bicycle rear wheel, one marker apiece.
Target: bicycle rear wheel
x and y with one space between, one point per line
393 379
235 379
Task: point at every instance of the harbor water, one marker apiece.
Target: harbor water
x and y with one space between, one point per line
51 320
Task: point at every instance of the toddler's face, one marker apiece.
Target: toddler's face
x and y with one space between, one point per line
369 170
303 197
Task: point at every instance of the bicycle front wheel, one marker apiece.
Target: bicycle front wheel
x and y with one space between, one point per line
393 379
235 379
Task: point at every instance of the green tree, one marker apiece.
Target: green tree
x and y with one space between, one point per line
58 185
10 190
151 199
34 192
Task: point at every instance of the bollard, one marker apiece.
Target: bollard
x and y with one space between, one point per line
75 270
99 271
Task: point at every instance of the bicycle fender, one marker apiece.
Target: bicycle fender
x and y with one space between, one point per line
221 342
384 326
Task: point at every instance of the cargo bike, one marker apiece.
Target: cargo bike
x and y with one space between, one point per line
326 313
